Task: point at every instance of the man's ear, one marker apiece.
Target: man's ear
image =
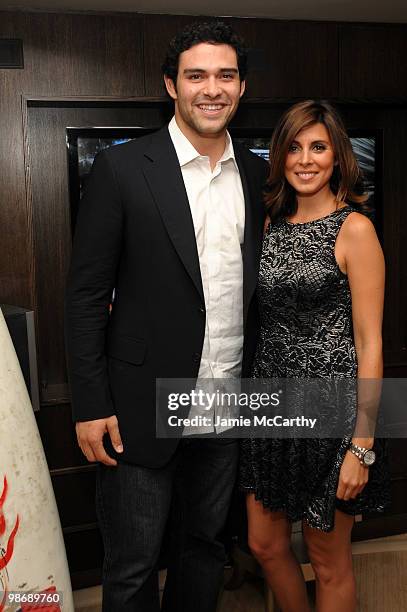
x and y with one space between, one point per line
169 84
242 87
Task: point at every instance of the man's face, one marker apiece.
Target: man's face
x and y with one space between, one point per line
208 89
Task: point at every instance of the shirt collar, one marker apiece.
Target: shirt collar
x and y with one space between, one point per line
186 152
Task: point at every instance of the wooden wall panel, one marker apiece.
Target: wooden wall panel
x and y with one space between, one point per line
59 439
84 550
293 64
391 121
395 227
73 487
83 54
16 253
64 55
373 61
290 54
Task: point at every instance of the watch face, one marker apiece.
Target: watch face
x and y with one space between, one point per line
369 457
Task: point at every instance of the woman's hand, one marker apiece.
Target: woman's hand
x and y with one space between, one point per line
352 477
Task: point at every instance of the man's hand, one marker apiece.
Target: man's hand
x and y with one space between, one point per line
90 439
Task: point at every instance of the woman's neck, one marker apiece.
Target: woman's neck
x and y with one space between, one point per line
315 206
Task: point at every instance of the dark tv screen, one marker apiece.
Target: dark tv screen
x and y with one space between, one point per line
84 143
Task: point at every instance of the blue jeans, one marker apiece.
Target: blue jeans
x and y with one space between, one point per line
192 494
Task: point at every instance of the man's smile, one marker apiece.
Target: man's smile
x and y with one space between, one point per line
213 108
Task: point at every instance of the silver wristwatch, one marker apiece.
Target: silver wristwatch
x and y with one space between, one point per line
366 456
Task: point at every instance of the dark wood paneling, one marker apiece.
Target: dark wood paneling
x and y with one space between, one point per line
395 232
58 437
398 461
16 253
64 55
84 549
84 54
293 65
396 371
75 496
392 123
373 61
379 527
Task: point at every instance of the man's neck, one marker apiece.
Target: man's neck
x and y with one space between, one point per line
210 145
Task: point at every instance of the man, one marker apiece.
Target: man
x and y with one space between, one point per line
173 223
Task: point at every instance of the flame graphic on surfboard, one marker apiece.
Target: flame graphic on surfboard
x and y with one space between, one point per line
5 556
7 553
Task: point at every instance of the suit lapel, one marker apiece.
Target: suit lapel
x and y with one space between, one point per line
253 227
164 177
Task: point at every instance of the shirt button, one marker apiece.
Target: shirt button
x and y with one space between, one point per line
196 357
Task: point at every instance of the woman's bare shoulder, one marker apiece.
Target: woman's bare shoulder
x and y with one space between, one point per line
357 226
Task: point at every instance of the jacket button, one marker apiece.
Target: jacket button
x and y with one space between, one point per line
196 357
202 309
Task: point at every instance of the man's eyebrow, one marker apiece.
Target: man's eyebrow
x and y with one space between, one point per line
201 70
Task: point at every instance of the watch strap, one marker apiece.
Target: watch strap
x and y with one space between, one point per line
358 451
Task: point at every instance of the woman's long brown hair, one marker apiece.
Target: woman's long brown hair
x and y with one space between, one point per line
347 180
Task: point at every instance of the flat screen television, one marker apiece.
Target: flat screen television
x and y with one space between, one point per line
84 143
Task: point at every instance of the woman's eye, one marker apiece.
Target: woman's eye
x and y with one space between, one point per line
293 148
319 147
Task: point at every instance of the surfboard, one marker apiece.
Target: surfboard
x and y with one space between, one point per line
34 573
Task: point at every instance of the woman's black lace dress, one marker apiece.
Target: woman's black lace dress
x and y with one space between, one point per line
306 332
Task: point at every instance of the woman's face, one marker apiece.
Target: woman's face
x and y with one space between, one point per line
310 160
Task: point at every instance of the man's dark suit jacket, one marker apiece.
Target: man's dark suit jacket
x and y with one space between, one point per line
135 234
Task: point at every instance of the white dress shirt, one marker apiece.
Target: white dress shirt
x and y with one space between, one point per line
217 207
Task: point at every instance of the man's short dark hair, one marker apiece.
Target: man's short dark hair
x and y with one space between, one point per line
215 32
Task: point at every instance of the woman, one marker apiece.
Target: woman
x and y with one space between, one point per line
321 287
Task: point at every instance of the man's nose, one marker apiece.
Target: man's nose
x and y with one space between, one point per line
212 88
